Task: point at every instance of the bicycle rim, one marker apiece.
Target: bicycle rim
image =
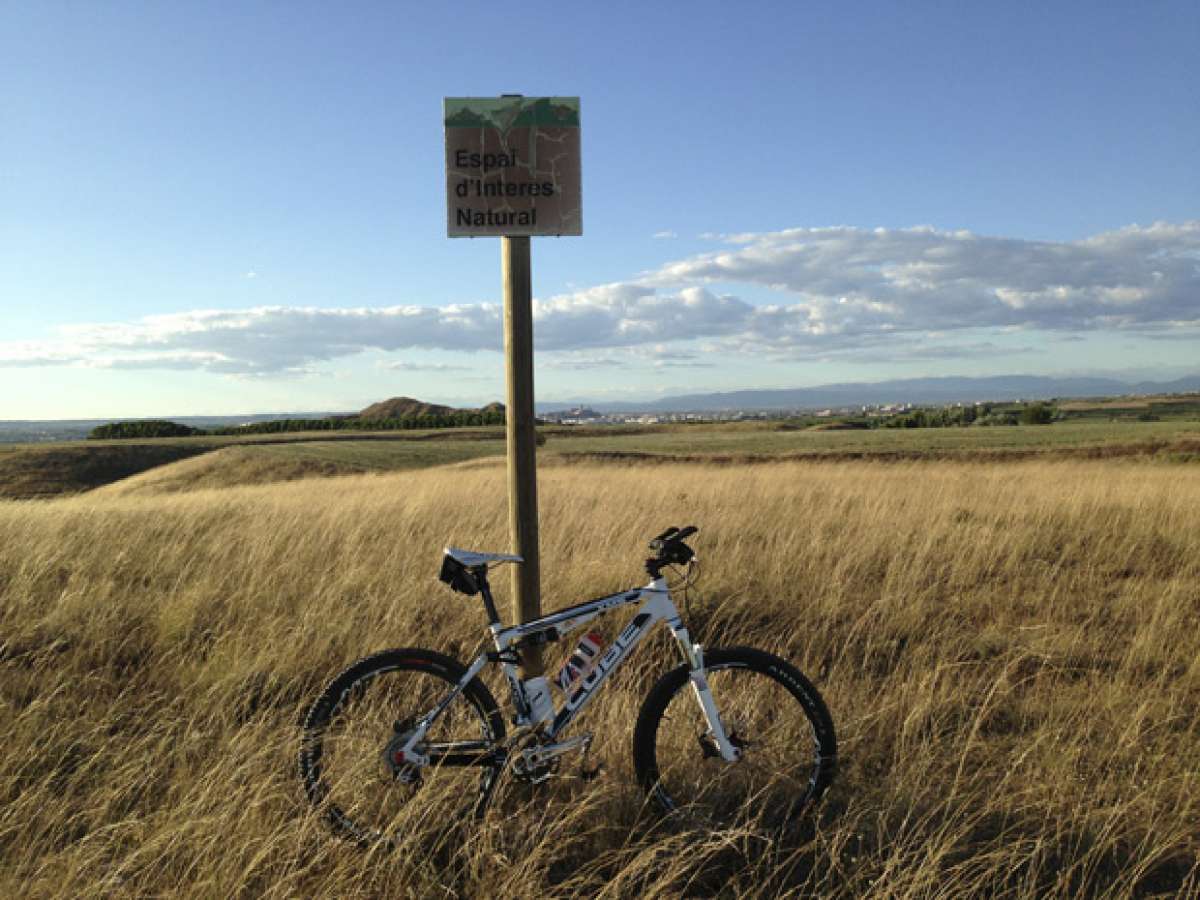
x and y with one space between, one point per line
344 762
786 752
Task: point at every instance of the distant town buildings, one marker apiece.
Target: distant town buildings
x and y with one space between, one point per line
584 415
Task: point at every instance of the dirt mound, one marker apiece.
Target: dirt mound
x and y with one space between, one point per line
840 426
49 472
1170 451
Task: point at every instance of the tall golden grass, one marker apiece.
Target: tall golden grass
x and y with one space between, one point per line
1011 653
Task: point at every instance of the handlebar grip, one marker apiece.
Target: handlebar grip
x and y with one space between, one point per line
666 535
670 549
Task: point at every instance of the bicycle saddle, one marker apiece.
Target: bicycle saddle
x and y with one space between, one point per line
472 558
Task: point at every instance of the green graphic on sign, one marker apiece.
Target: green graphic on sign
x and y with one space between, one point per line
507 112
512 166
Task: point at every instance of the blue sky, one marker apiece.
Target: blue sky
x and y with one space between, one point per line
220 208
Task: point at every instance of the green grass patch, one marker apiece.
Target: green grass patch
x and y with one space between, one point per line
384 456
697 440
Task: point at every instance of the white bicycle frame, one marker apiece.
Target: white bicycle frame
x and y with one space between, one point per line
658 607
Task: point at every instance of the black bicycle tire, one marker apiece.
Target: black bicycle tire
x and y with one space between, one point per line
645 733
324 708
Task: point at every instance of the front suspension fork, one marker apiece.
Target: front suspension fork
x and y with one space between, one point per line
698 676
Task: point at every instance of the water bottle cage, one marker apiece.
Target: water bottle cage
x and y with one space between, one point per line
539 638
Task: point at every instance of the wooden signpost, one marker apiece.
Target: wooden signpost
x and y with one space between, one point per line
513 171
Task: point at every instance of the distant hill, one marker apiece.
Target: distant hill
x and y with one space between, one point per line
402 408
49 471
407 407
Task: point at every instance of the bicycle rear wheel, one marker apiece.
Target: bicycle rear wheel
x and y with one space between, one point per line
347 753
771 713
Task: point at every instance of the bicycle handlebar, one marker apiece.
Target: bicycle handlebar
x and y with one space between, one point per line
671 535
670 549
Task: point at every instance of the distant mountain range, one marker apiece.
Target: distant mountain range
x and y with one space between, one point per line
909 390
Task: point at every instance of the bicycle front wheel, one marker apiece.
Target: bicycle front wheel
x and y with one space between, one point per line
771 713
349 759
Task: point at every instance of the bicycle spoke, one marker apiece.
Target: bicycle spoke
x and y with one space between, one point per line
354 735
779 766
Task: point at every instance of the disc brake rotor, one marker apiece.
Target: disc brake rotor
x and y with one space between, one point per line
401 770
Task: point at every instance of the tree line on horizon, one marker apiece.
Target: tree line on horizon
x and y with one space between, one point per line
159 428
944 417
986 414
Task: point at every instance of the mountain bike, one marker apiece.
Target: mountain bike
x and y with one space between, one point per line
731 736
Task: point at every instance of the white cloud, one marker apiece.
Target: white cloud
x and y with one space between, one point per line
839 290
581 362
405 366
853 281
665 235
643 358
262 340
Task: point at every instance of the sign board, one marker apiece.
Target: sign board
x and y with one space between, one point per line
512 166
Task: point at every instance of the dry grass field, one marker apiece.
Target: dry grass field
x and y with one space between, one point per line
1011 652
